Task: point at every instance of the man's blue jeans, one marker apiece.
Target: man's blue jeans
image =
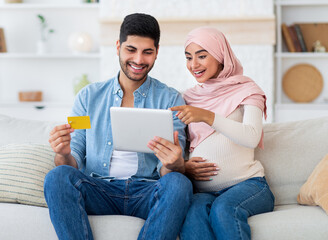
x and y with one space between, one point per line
223 215
71 196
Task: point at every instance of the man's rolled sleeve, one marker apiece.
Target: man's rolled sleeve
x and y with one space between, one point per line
78 160
78 141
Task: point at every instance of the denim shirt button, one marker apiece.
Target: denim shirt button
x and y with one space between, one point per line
116 99
105 164
109 143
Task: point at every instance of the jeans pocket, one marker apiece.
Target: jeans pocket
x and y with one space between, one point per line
259 182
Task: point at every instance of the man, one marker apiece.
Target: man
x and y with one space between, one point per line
92 178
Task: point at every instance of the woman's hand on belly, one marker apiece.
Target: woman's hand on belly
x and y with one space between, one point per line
198 169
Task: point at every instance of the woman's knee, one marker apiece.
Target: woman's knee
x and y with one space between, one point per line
201 205
221 211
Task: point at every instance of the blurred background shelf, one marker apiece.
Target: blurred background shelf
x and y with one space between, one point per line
56 70
301 55
49 56
291 12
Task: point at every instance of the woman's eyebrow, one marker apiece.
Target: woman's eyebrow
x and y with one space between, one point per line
199 51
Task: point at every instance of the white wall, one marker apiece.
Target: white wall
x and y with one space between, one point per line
187 8
170 67
55 76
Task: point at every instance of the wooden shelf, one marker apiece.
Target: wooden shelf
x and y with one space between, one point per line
259 29
301 55
109 20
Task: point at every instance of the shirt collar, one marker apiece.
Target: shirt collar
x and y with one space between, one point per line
117 87
142 90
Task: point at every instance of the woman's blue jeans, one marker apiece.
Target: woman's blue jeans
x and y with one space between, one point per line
71 196
223 215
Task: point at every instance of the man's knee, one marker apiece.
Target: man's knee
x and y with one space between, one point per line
179 184
56 176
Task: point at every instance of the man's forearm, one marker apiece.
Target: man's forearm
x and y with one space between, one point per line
65 160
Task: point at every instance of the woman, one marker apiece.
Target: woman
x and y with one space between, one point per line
224 115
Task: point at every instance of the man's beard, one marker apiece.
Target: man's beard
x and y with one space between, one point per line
125 68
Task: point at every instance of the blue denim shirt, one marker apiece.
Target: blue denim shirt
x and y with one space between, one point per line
93 148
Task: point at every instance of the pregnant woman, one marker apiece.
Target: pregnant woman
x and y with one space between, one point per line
224 114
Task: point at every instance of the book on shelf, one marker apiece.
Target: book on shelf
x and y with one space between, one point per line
300 37
287 37
294 38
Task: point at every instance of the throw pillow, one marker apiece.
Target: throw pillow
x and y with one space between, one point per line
315 189
22 171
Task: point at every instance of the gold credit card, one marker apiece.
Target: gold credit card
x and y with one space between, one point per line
80 122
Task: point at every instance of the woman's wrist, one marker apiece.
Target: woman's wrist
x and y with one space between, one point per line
209 118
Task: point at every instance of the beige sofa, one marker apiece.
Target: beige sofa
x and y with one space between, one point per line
292 150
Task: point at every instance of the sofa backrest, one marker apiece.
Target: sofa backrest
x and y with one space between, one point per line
16 131
291 152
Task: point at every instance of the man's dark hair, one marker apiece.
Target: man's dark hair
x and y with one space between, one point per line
140 24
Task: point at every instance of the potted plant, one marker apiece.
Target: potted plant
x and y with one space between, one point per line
45 31
80 83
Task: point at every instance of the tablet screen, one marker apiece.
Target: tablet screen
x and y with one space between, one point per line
133 128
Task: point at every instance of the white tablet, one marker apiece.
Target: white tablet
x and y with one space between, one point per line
133 128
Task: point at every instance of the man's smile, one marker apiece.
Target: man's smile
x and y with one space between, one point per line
137 68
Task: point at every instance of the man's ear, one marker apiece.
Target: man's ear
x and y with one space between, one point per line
157 51
118 46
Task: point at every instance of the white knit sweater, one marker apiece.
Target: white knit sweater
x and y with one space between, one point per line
231 147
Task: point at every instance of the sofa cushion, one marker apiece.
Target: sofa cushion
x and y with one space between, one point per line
291 151
22 171
315 190
290 222
15 130
33 223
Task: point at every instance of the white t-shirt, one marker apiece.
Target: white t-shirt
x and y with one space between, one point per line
123 164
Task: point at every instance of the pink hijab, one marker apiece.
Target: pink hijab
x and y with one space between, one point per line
225 93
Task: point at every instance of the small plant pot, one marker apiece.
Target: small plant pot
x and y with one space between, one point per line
32 96
41 47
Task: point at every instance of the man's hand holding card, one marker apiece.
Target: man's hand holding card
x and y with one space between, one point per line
60 136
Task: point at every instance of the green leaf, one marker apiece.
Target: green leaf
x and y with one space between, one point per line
42 19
